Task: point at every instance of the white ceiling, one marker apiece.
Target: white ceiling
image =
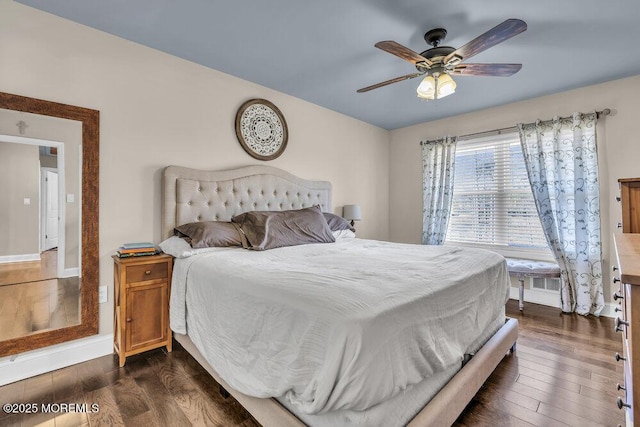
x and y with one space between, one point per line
323 51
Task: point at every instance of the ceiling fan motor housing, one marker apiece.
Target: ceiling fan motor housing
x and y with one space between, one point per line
433 53
437 53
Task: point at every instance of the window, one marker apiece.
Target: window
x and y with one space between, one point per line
492 202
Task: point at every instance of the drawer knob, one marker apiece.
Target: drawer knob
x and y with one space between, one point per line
616 296
619 323
148 272
619 225
614 268
617 198
619 387
129 320
622 404
616 280
617 309
619 358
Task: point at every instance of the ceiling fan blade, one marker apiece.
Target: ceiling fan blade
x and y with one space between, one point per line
402 52
497 34
388 82
501 70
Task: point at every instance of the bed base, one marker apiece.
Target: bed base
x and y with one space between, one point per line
442 410
448 404
268 412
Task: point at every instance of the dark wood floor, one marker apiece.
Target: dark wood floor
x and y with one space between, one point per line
563 373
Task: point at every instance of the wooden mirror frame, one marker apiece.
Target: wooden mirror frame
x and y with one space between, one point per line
90 250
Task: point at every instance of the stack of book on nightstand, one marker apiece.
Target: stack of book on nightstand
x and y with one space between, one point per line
137 249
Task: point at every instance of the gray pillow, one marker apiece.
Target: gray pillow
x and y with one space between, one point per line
275 229
208 234
337 223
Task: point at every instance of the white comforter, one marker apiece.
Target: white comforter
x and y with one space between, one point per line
336 326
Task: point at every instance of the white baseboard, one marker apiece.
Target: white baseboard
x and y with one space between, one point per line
552 299
36 362
19 258
71 272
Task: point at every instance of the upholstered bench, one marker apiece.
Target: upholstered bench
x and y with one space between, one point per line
522 268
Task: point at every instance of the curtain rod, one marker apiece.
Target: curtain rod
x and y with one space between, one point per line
604 112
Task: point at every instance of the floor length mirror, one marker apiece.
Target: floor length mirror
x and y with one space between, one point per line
49 223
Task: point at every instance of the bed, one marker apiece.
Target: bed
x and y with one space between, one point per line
364 360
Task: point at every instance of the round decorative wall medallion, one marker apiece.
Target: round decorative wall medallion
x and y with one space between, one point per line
261 129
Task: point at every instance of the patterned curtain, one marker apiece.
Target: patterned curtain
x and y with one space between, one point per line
437 188
562 164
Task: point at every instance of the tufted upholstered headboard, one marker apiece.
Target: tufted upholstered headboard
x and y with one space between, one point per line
196 195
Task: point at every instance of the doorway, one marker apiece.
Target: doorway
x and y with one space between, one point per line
50 210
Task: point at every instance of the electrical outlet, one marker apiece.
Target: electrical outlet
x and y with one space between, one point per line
102 294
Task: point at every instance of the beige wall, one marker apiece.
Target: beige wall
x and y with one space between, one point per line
157 110
19 179
618 151
68 132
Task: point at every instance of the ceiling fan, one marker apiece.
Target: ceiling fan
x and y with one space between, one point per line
440 62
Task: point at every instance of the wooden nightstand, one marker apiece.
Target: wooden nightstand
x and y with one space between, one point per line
141 321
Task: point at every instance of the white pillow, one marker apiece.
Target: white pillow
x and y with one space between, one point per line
179 248
343 234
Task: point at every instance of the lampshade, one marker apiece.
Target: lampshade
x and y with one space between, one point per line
352 212
436 86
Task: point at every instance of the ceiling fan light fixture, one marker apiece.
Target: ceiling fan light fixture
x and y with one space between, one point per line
436 86
446 85
427 88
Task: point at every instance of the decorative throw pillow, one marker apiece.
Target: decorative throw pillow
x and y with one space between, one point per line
208 234
343 235
337 223
275 229
179 248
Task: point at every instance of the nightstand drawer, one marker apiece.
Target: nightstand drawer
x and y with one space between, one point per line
143 272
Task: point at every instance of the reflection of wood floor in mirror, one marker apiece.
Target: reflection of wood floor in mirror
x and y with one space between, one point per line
30 271
28 308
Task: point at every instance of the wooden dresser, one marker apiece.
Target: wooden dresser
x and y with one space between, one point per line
630 198
627 275
141 321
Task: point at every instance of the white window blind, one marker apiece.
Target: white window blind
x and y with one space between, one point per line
492 201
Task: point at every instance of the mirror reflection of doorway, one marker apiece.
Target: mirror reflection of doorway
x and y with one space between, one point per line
37 293
49 201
